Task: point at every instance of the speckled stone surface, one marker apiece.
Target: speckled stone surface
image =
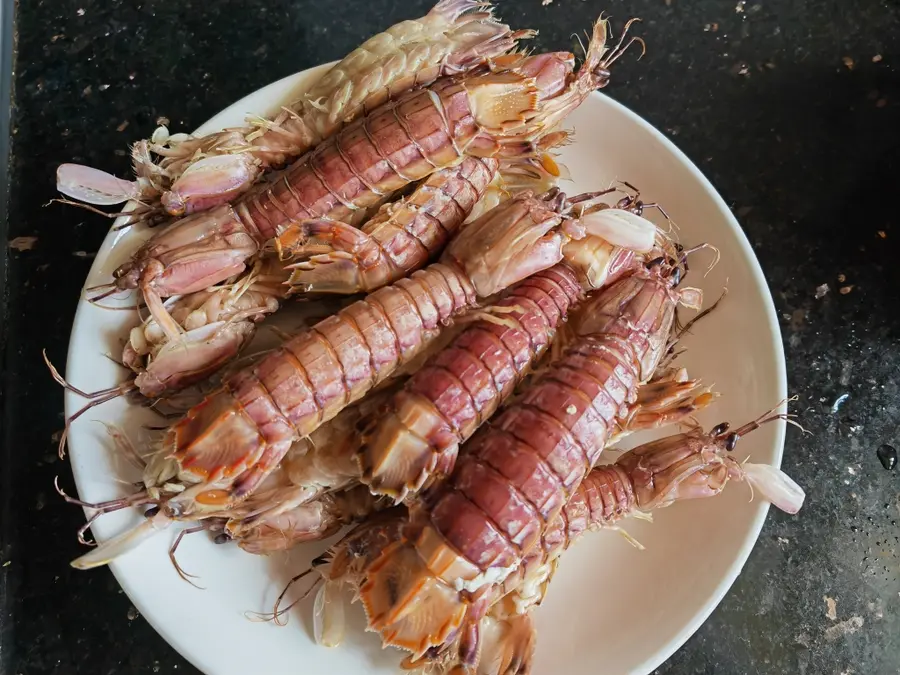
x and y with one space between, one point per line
791 108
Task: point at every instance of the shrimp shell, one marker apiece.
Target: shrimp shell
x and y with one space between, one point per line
313 376
331 462
515 475
401 238
450 39
225 447
452 395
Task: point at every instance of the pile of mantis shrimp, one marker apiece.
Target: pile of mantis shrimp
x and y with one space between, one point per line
496 336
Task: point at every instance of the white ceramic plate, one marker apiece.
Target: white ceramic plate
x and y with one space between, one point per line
611 607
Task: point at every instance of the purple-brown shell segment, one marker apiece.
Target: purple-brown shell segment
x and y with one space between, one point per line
312 377
399 143
640 310
338 360
609 493
604 496
557 431
473 374
545 444
512 512
431 215
466 383
477 538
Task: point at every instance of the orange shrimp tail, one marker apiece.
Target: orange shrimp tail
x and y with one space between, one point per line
400 452
214 441
407 604
507 646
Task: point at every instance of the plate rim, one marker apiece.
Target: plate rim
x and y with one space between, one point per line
665 651
652 662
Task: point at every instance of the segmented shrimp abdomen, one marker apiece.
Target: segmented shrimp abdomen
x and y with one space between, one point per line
609 494
561 425
322 370
418 229
248 425
353 171
451 396
604 496
639 311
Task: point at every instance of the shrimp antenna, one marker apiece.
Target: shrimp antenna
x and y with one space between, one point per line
137 499
184 575
86 207
687 327
124 308
589 202
629 199
699 247
770 416
749 482
96 398
278 611
621 46
94 288
108 290
580 43
675 337
633 202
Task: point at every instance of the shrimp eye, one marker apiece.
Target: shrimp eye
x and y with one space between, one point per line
676 276
603 75
719 429
731 441
656 261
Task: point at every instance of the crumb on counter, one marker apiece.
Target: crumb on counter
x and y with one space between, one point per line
839 401
22 243
831 607
848 627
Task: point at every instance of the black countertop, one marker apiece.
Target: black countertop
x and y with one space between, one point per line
791 108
